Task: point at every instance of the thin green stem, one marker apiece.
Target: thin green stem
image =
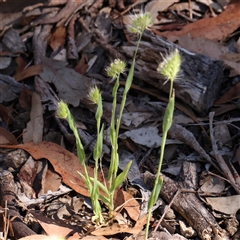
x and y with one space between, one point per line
164 137
127 86
115 131
114 154
171 89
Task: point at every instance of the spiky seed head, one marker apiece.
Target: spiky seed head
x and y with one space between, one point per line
170 66
94 94
116 68
139 22
62 110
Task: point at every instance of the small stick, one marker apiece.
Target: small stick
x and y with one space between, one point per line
224 167
146 155
170 204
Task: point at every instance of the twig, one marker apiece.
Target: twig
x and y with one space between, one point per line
131 6
166 209
170 204
180 133
224 167
143 160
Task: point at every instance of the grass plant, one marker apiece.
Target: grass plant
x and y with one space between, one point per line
138 23
169 68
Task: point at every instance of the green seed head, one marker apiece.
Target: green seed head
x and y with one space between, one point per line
94 94
116 68
170 66
140 22
62 110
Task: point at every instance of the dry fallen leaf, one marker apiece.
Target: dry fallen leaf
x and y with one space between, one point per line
146 136
81 66
34 130
41 237
64 162
6 137
135 118
58 38
56 228
212 185
50 180
227 205
211 28
22 63
28 72
154 7
231 94
25 99
92 238
71 86
67 165
5 114
127 202
115 229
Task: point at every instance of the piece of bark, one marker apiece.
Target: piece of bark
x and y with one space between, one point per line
199 80
8 191
187 204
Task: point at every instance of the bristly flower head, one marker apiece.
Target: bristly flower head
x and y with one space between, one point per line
140 22
94 94
62 110
116 68
170 66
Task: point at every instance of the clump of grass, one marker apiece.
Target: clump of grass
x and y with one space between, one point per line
138 23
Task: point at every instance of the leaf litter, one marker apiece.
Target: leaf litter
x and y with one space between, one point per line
84 40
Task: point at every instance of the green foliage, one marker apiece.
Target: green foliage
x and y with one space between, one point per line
138 24
169 68
116 68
